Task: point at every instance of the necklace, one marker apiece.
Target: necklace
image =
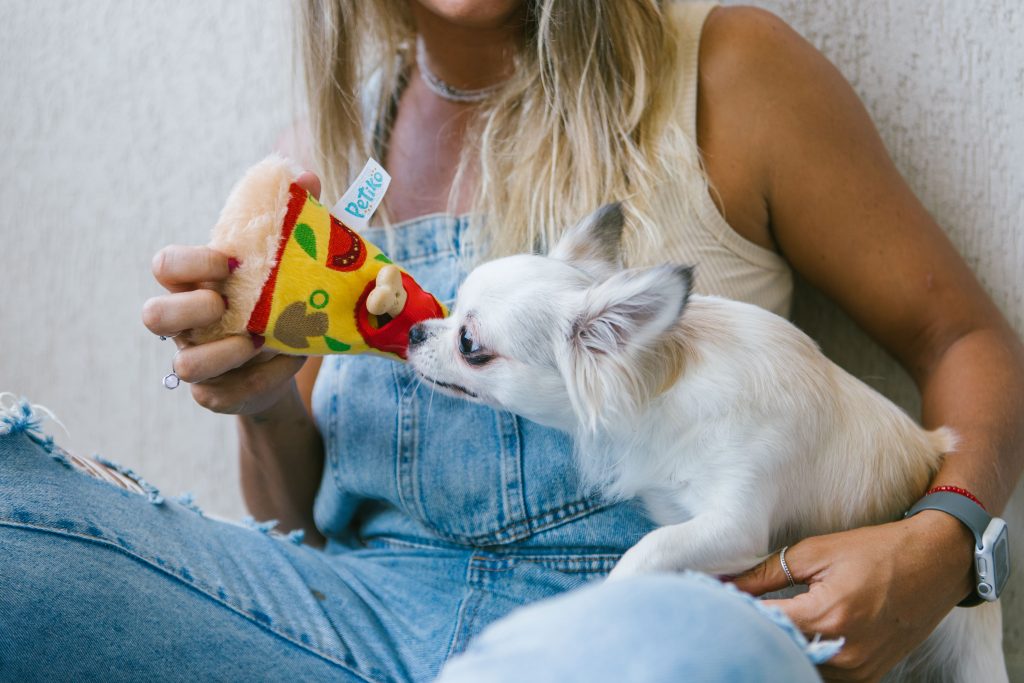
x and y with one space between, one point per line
444 90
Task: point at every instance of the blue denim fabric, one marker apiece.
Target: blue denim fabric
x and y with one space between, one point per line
442 517
644 629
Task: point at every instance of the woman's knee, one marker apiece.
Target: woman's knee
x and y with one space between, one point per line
650 628
30 458
45 488
26 450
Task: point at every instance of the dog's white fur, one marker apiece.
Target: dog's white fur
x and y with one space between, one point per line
726 420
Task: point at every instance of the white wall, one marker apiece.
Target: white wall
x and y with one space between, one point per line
125 124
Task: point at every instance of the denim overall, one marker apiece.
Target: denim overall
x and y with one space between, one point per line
486 506
442 516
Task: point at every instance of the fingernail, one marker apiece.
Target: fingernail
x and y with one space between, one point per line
233 263
258 340
226 307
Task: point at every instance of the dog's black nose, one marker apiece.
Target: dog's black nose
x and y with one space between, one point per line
417 334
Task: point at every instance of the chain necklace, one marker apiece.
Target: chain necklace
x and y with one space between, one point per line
444 90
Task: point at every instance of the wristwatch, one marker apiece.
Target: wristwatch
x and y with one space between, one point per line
991 544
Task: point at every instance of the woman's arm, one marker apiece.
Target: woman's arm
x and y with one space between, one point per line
281 453
281 458
842 215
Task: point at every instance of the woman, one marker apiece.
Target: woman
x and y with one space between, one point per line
438 517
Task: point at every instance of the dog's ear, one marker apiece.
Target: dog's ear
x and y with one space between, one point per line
631 308
613 366
594 244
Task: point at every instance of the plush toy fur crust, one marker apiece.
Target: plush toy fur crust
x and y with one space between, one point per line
249 229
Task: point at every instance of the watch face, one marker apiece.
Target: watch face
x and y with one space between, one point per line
1001 561
992 560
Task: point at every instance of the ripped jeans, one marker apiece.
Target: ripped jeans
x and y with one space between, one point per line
99 582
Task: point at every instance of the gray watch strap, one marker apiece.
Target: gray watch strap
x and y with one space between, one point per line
961 507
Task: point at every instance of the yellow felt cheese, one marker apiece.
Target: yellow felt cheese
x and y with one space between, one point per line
314 299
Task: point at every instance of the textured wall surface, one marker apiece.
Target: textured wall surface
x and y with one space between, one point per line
124 126
125 123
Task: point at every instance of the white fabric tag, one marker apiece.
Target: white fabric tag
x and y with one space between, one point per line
363 197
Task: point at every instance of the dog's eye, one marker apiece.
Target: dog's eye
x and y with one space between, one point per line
467 344
471 351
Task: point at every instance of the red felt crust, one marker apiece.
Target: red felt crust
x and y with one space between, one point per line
261 312
393 336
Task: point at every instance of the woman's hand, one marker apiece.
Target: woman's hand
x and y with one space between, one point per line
882 588
230 375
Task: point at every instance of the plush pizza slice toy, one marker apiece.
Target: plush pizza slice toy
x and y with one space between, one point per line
306 282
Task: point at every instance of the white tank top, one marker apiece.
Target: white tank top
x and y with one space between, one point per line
726 264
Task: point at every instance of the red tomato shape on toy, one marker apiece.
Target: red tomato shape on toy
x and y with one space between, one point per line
346 251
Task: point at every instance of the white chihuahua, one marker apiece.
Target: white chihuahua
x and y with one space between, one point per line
726 420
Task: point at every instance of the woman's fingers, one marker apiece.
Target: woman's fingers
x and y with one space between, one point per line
227 375
182 268
309 182
769 576
809 611
249 389
205 361
171 314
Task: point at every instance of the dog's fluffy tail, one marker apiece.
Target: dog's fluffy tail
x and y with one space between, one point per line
943 440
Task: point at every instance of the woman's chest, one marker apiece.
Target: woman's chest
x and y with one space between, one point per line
423 154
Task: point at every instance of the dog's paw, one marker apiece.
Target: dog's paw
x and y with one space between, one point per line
634 562
619 572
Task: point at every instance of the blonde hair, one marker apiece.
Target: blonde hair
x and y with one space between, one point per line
586 119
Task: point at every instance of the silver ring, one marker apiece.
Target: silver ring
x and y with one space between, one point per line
171 379
785 567
165 337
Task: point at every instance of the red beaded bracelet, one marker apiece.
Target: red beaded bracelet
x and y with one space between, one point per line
956 489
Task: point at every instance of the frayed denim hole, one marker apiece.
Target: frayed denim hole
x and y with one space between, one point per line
19 416
188 500
151 491
61 456
262 527
818 650
269 528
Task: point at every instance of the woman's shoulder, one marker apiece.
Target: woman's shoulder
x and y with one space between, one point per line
746 39
764 94
753 64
